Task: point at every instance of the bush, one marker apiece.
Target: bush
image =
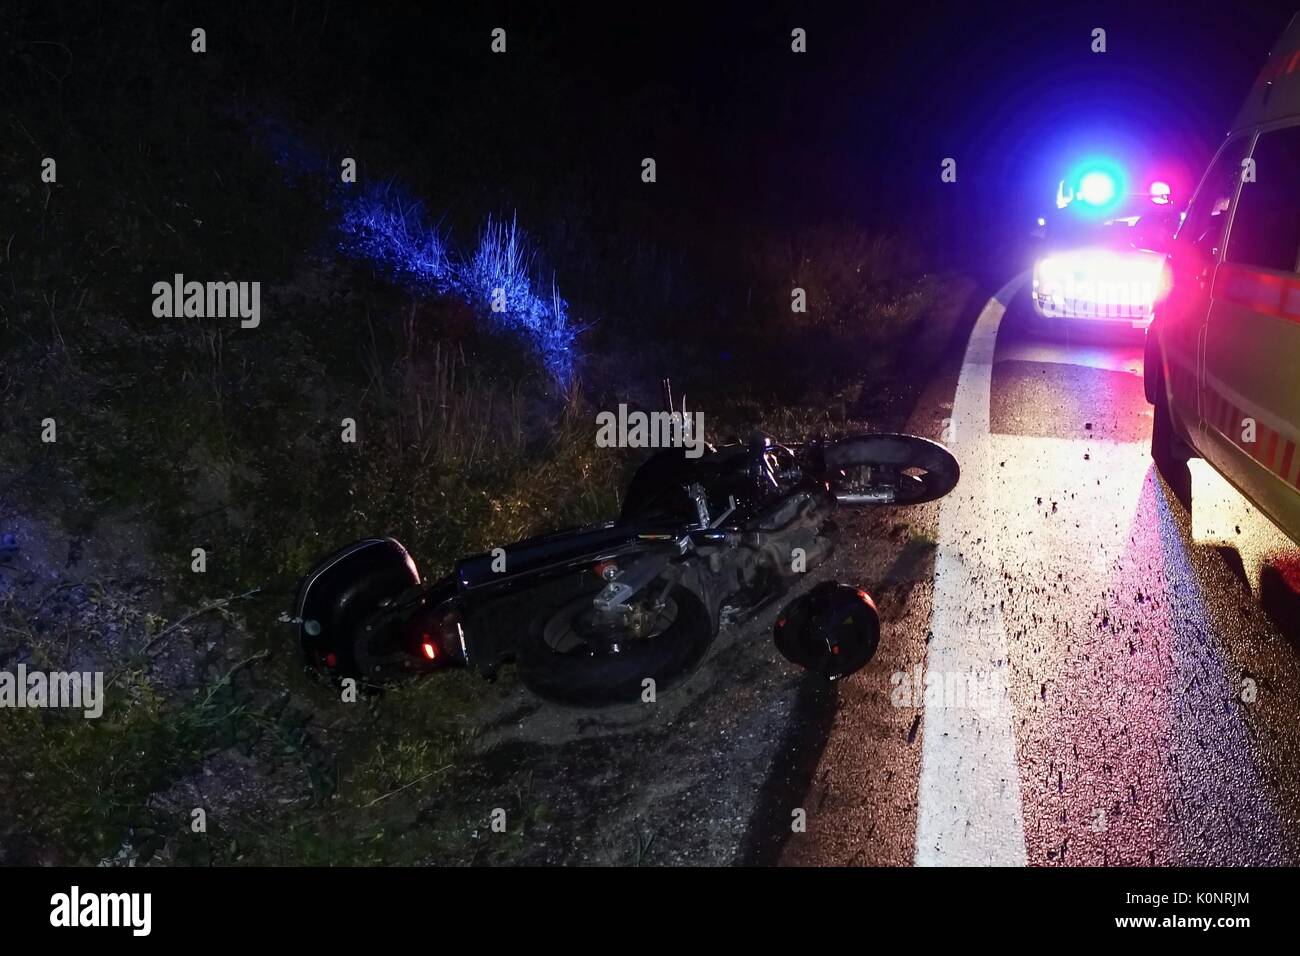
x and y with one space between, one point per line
502 266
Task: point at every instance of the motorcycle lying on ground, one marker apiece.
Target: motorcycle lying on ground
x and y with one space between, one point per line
590 614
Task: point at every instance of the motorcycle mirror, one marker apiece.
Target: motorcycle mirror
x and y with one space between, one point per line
832 630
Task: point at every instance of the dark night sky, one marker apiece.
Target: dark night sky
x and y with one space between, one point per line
746 134
858 125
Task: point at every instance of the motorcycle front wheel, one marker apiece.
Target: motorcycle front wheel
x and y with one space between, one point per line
574 655
889 469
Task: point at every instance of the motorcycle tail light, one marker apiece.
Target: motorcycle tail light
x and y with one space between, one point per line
436 637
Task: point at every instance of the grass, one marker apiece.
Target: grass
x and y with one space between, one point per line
642 843
78 785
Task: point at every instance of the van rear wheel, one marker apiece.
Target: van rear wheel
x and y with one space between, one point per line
1168 450
1167 447
1150 367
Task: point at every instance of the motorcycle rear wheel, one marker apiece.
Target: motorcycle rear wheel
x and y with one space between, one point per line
562 659
889 469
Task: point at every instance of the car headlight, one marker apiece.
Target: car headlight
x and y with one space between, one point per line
1050 275
1100 277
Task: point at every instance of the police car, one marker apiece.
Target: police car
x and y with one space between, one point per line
1223 351
1102 250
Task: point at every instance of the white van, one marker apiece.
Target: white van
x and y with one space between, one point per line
1223 351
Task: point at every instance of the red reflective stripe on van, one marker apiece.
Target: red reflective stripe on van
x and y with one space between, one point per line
1278 66
1258 291
1227 418
1253 447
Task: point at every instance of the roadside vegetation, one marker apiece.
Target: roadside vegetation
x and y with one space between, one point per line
176 434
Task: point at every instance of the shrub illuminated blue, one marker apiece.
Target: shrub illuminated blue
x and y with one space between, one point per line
500 273
385 225
381 224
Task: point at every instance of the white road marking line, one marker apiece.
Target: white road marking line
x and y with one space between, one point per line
969 809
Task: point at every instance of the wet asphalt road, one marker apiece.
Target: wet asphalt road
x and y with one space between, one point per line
1094 675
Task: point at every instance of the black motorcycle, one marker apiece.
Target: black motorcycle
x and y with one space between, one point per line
591 615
